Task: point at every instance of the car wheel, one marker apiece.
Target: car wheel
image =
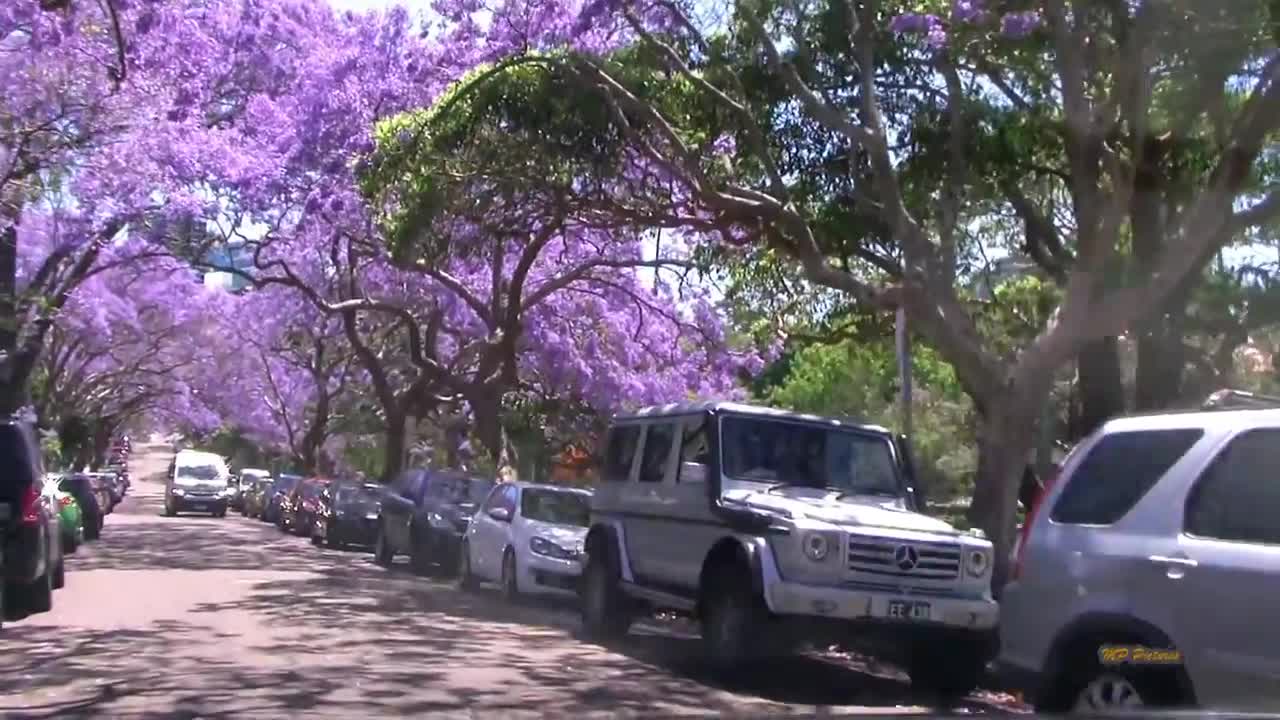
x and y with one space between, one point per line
510 578
950 668
466 580
382 552
70 545
1086 686
330 538
60 575
733 619
169 510
38 596
419 559
605 614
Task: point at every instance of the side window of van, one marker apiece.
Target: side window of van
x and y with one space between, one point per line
657 448
620 450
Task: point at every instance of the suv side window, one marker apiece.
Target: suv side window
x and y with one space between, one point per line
695 446
1118 471
657 448
621 449
1238 497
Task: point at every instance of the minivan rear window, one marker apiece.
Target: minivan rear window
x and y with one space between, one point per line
1119 470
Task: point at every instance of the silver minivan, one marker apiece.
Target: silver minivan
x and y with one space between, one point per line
197 482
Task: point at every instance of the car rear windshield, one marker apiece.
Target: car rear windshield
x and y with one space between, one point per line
1119 470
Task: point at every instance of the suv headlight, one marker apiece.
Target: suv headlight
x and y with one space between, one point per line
816 546
178 492
977 562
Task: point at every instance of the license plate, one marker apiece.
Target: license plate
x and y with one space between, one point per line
909 610
199 506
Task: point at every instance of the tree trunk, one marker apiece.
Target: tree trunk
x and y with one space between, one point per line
1006 437
394 446
8 290
486 407
1161 360
1101 387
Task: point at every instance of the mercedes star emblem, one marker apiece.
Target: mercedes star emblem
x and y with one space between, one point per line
906 557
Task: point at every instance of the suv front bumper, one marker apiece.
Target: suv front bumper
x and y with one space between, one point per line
827 601
852 603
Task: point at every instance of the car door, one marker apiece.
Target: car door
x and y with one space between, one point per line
1226 576
496 534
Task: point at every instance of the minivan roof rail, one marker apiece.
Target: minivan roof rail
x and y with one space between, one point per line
1229 399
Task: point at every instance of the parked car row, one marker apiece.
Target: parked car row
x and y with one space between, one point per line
44 518
1142 575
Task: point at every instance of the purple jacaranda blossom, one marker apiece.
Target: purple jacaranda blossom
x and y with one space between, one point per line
1020 24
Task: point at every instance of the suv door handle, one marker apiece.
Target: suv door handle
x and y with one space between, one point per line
1164 560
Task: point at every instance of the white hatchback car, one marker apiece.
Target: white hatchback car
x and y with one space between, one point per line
528 538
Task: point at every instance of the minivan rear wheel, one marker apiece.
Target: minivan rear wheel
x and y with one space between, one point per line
1085 685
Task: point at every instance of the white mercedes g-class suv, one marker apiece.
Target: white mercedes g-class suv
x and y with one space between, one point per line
775 528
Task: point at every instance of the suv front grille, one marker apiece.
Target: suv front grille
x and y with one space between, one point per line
888 558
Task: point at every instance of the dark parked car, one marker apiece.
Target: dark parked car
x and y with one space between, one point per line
110 486
82 487
256 496
425 515
30 530
298 511
348 514
282 486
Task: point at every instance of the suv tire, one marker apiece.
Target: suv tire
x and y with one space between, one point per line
1153 686
60 575
38 596
950 668
733 619
605 615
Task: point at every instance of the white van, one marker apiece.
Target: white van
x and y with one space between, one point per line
197 482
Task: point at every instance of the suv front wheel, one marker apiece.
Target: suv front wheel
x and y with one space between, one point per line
605 615
734 619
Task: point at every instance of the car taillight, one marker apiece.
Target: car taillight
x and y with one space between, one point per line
66 501
30 506
1020 546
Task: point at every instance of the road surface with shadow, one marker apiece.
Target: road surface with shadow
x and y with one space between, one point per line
202 617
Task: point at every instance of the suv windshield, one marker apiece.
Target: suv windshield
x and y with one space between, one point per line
804 455
552 506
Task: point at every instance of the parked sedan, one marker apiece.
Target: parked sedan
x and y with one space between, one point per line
70 518
90 500
282 486
299 510
427 517
349 515
251 480
528 538
30 533
256 497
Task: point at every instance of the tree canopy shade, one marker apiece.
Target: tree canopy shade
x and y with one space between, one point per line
904 103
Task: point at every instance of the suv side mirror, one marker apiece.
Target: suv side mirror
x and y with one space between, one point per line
500 514
693 472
